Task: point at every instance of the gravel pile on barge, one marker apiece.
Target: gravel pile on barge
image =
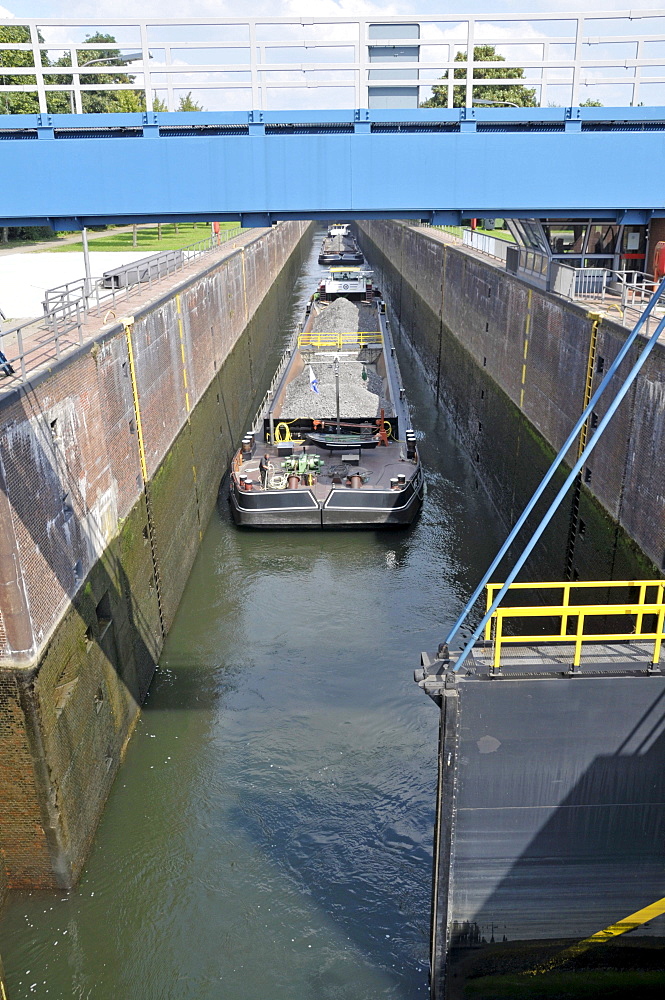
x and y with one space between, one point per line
344 316
358 396
355 396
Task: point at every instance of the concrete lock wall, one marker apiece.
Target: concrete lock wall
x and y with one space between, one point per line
93 561
509 363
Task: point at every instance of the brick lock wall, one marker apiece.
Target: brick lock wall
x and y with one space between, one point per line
458 309
70 468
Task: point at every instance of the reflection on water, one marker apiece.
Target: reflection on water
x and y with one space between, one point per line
270 832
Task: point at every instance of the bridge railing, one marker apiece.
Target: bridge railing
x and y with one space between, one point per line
350 61
568 621
67 308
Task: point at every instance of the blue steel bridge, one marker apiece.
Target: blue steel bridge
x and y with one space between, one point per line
437 165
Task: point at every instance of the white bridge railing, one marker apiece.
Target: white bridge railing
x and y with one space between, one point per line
264 63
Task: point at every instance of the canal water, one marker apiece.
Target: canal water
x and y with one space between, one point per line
270 832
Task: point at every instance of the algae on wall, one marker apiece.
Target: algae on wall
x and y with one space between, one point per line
510 455
67 718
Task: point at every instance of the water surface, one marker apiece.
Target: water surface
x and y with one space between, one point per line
270 832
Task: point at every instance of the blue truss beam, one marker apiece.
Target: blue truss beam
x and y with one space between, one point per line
438 165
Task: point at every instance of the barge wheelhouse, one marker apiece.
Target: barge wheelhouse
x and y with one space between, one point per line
332 445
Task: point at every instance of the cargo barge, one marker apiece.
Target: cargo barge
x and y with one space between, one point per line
340 247
332 445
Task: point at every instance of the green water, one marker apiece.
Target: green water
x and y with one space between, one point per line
269 835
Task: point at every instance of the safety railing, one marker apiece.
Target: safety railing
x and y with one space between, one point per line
493 246
262 62
623 293
650 603
67 308
82 298
338 341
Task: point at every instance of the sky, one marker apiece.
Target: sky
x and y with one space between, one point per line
109 11
296 8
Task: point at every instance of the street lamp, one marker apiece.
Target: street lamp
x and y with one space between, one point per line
130 57
502 104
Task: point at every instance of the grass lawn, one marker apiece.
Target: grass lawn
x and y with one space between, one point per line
22 244
146 240
502 234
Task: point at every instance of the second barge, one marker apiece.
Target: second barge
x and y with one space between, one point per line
332 445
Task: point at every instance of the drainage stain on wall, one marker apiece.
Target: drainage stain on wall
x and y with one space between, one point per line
110 465
509 363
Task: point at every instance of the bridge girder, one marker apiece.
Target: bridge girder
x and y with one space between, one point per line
438 165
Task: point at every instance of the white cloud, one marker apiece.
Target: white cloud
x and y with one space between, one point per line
307 8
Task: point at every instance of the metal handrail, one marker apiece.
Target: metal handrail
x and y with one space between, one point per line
67 307
340 340
75 293
582 53
581 612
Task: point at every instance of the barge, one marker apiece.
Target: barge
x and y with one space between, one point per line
340 247
337 251
332 445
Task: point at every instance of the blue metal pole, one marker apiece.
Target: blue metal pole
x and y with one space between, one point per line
593 441
559 458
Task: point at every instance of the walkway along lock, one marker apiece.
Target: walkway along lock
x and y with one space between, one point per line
562 614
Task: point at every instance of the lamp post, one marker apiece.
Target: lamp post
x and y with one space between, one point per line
130 57
501 104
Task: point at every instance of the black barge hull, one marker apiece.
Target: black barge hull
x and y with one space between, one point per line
343 508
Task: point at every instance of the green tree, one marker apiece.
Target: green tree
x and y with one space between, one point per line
591 103
21 103
103 101
517 93
186 103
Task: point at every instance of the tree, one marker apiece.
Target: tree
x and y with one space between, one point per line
21 103
524 97
186 103
103 101
591 103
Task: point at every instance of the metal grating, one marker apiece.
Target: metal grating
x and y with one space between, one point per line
520 127
623 126
198 130
97 133
324 128
380 127
18 133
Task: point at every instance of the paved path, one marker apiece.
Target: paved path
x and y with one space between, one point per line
609 308
40 347
74 238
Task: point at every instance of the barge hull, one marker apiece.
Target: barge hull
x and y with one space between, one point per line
396 510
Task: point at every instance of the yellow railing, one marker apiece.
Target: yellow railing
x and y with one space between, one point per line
338 341
646 604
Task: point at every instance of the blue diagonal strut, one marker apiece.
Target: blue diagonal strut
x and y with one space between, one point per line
591 444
